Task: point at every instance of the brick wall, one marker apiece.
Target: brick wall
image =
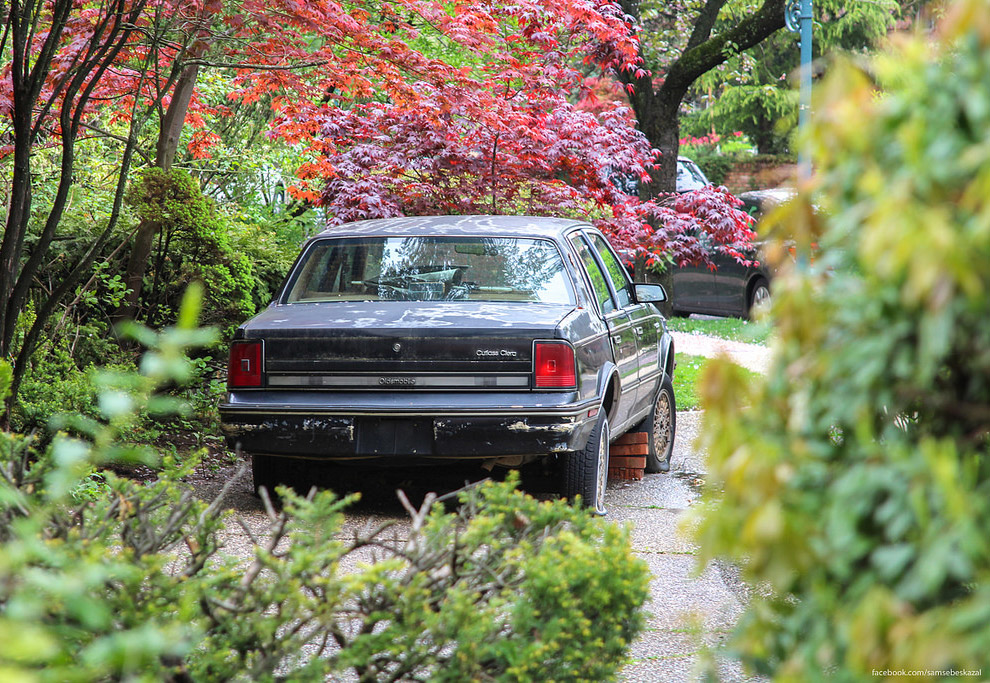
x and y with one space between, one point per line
759 174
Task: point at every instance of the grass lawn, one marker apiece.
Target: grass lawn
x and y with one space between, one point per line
686 380
734 329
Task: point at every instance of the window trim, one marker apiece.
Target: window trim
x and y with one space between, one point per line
580 234
608 277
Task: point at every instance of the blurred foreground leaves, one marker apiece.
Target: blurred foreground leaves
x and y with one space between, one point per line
855 489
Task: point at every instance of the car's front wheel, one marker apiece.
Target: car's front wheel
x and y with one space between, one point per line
586 471
759 296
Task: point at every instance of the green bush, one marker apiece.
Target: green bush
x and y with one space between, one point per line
53 384
855 491
105 578
195 245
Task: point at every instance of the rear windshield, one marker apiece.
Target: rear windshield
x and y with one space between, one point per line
431 269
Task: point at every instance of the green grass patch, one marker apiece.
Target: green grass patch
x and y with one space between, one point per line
733 329
686 376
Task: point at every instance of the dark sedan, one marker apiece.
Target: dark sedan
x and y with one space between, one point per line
731 289
500 339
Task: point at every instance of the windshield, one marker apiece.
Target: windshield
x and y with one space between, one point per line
431 269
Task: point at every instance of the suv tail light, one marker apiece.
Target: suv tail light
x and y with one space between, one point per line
244 368
554 366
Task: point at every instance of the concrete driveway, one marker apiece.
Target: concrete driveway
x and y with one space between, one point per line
687 611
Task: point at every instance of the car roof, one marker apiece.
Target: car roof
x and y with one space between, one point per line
495 226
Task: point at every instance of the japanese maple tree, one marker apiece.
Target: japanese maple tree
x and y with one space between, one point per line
471 111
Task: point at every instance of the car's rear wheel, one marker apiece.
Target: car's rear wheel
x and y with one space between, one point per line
586 471
661 426
759 296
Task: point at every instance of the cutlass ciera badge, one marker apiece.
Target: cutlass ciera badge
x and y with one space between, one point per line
489 353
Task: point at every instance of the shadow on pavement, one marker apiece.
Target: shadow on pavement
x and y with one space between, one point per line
377 485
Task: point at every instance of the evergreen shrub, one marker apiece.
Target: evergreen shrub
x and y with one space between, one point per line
853 484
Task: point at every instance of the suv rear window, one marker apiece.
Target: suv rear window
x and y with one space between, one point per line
430 269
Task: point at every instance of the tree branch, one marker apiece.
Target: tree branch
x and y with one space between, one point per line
704 24
698 60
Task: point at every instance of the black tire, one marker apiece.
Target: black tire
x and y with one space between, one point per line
759 295
586 471
661 425
263 470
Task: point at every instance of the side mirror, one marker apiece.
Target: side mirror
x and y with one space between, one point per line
650 294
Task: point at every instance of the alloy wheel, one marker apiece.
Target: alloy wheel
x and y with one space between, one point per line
661 424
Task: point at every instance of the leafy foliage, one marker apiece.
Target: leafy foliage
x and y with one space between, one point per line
715 154
107 578
754 91
195 246
857 492
484 125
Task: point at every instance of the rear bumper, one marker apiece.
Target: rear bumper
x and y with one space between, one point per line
342 426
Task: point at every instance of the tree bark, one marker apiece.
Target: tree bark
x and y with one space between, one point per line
168 143
657 108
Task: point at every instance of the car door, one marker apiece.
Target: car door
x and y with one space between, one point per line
622 335
731 279
694 289
644 319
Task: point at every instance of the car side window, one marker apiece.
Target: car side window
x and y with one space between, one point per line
616 273
602 293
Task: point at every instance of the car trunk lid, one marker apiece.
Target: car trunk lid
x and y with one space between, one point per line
393 346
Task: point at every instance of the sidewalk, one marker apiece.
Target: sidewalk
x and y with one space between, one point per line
689 610
752 356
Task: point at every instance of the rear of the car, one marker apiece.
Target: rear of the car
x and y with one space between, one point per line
410 346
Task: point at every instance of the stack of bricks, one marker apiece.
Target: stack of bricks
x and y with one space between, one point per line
627 456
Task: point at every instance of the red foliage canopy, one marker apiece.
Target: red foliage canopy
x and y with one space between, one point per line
421 106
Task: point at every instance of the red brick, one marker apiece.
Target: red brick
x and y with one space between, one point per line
635 449
626 473
637 462
633 437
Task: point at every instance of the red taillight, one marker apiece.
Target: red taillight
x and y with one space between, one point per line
244 368
554 366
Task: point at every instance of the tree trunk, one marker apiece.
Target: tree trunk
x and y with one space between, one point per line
657 108
30 66
168 143
659 123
